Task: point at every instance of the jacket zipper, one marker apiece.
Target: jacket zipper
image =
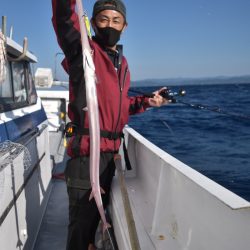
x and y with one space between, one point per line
120 103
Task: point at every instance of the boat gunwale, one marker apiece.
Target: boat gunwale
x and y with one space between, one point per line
230 199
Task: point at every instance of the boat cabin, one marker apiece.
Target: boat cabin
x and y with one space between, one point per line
25 164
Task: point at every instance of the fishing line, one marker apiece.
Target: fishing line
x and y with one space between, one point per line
171 96
214 109
167 126
110 240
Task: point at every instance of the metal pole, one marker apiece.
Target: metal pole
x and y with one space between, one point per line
4 25
58 53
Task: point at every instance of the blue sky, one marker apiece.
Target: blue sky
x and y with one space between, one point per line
164 39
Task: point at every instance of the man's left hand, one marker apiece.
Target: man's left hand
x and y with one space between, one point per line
158 100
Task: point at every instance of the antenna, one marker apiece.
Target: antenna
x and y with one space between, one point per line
4 23
11 32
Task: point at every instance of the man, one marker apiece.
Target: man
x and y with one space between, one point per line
113 77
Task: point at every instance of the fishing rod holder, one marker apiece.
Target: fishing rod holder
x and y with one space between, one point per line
24 52
25 42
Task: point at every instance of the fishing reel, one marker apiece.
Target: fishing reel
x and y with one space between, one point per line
169 95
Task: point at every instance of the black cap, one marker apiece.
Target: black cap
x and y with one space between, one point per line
101 5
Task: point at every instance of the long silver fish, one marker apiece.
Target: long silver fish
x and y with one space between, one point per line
93 114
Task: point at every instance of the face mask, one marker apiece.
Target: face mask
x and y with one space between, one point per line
108 36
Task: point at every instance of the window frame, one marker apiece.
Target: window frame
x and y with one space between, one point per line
29 89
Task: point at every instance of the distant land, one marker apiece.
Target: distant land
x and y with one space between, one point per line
192 81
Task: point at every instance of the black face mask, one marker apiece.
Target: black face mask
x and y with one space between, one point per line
108 36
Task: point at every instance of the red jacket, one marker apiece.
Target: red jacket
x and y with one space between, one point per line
112 87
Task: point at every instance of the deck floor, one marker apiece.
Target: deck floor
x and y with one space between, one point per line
53 231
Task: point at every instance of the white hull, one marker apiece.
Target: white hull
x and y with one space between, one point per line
25 164
30 188
175 207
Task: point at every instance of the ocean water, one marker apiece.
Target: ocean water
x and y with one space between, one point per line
214 144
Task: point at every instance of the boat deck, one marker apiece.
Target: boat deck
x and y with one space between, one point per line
53 231
174 206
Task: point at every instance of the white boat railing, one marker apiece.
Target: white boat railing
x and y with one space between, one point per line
175 207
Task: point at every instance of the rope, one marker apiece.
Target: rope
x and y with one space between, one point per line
3 58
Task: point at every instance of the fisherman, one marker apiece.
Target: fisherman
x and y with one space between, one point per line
113 81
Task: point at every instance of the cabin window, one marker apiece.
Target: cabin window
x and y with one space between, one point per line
18 73
18 88
6 95
32 96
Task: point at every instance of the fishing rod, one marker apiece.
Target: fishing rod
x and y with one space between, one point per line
166 93
169 95
215 109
